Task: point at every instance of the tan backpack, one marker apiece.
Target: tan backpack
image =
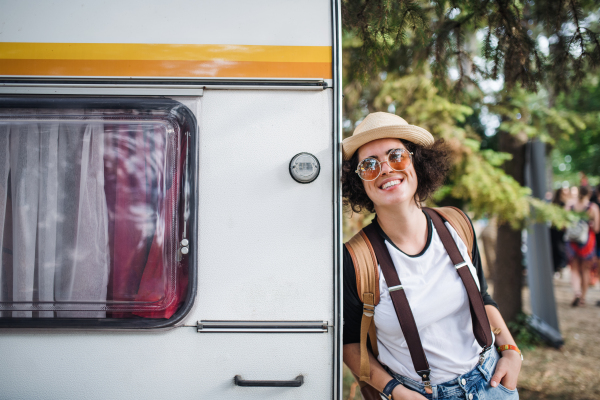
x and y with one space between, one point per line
367 280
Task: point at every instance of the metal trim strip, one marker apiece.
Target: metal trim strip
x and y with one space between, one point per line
100 90
338 291
145 87
263 326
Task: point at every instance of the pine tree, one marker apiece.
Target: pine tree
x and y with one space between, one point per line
430 62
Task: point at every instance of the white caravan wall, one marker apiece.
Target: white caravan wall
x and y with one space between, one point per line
242 22
178 364
265 241
265 253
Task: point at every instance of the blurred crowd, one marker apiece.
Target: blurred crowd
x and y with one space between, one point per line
576 247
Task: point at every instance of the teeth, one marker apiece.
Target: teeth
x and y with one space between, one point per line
390 184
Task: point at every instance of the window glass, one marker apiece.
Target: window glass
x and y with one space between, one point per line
92 208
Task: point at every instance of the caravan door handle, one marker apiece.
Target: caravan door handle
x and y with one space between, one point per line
294 383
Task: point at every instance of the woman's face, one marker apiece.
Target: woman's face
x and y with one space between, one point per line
390 187
564 194
574 192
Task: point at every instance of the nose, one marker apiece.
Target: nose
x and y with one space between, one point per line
385 169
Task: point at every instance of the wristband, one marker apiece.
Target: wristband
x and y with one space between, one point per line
510 347
387 390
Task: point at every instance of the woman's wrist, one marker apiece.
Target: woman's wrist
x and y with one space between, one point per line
388 390
400 393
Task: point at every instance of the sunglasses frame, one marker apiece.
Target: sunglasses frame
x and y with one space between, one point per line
410 154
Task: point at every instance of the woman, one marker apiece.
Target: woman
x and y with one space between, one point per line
581 255
435 294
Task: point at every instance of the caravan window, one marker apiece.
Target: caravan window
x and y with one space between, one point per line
94 207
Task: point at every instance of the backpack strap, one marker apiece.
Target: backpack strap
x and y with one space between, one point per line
461 224
367 285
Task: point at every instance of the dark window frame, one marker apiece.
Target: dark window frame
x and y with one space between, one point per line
187 122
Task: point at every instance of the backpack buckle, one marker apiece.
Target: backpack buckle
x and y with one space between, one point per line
368 310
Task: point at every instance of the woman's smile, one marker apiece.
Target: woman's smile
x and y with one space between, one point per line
391 183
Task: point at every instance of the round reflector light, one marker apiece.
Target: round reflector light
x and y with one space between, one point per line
304 167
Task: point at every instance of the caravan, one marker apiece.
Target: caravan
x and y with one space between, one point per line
169 199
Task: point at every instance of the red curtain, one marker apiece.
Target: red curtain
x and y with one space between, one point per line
142 194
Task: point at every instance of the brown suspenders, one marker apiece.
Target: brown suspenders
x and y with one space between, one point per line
481 325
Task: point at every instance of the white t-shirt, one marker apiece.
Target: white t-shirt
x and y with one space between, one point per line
440 305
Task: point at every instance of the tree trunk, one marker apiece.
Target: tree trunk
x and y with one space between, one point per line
508 271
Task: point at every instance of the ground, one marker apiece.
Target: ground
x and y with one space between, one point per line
571 373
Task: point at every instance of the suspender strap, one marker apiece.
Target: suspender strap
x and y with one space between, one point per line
481 324
403 311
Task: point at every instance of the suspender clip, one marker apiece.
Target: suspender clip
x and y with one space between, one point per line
426 381
483 354
394 288
460 265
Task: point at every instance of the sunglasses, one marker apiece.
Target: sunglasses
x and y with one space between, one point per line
370 168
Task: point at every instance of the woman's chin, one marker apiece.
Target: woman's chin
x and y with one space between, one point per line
394 201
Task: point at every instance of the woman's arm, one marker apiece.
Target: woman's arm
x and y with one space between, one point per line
509 365
353 309
594 213
379 376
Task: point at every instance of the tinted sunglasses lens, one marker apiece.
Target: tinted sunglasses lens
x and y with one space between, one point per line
399 159
368 169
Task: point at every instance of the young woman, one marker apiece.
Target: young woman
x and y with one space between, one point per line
391 167
581 255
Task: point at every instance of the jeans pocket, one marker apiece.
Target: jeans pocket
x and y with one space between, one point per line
501 386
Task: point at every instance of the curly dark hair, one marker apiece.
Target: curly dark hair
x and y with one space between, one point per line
431 165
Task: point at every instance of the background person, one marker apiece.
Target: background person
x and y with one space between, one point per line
559 255
581 255
594 272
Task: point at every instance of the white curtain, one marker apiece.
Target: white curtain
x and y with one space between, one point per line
53 219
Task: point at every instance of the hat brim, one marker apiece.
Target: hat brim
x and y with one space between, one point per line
412 133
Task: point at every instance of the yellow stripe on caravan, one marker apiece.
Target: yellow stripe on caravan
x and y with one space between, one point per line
165 68
178 52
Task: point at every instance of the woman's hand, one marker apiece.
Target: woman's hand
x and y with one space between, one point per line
509 365
507 370
402 393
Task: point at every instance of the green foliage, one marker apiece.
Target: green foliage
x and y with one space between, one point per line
529 113
398 56
348 382
489 190
523 334
476 178
441 33
579 152
547 212
382 26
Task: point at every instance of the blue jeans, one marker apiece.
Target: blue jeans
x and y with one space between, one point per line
474 385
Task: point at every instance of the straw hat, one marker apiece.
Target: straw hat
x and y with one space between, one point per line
381 125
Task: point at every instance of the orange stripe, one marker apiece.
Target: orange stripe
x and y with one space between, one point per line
171 68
